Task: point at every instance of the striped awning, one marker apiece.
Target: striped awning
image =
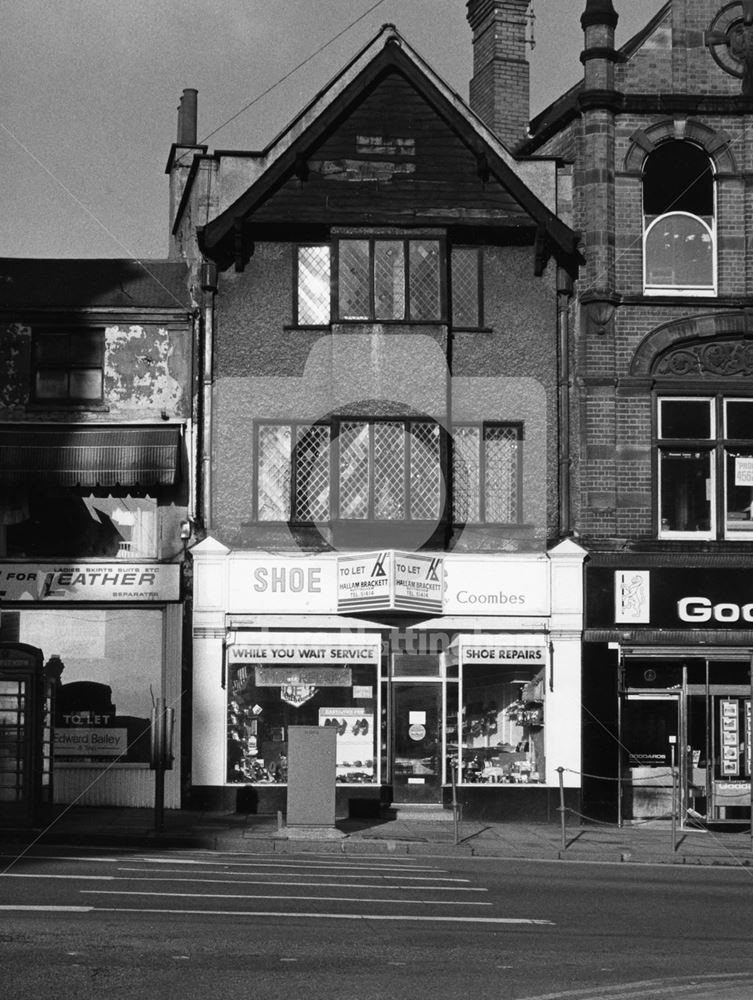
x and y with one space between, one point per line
90 456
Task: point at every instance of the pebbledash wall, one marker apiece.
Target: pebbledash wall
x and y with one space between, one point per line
409 656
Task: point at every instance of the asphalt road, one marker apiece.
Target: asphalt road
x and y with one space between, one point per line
198 924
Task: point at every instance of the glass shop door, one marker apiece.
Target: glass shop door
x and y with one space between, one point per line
416 741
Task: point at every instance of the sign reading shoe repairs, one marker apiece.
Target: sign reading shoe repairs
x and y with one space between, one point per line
89 582
503 649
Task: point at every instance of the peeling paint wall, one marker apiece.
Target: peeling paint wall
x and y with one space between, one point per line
147 375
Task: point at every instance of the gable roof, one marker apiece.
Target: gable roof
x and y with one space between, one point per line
387 53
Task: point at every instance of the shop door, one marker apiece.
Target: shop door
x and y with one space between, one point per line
417 741
649 728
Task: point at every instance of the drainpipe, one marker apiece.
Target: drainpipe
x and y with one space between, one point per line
209 290
564 294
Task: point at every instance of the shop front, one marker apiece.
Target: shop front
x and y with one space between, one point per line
432 670
680 640
111 634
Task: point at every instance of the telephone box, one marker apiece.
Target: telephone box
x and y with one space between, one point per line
26 714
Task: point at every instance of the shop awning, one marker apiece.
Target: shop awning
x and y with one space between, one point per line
90 456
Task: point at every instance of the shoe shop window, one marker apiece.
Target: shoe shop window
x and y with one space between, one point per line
502 724
263 702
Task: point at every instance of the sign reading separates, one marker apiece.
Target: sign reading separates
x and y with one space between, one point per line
89 582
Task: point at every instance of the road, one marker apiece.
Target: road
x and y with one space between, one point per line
200 924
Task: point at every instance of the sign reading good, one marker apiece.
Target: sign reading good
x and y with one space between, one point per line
306 647
89 582
693 596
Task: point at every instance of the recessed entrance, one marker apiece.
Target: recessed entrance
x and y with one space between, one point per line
416 757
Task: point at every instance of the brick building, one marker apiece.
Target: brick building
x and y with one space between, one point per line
384 296
657 135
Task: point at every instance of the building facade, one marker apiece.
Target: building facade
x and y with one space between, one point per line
385 294
95 488
657 135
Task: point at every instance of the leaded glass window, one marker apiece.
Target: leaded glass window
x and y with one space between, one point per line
313 285
486 473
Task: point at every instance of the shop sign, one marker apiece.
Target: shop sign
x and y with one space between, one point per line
496 586
390 580
502 649
310 676
89 582
692 597
79 741
364 583
281 585
306 647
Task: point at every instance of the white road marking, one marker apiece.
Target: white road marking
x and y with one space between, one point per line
369 874
48 909
330 916
239 882
233 895
391 866
75 878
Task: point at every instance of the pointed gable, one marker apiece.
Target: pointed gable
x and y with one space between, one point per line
390 149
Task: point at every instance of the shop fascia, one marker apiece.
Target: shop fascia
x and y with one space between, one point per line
671 598
95 581
386 581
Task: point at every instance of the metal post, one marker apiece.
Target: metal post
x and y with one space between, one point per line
563 830
454 771
672 744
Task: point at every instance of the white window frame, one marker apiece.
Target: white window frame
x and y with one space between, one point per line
674 289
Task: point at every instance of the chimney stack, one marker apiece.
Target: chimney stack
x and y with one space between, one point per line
500 87
187 117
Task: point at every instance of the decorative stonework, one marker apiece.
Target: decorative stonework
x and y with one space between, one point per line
731 358
730 41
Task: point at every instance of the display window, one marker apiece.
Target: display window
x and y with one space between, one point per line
111 670
502 723
263 703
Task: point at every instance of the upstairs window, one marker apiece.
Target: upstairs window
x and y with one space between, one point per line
375 280
705 454
467 287
68 365
678 221
387 470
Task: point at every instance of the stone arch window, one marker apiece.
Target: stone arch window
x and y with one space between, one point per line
679 224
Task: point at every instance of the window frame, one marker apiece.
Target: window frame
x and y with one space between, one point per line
333 246
719 446
483 426
68 367
709 222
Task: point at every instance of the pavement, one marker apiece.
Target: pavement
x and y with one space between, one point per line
396 832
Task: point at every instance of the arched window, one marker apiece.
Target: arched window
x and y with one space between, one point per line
679 255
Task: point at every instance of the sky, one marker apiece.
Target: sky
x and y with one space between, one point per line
90 90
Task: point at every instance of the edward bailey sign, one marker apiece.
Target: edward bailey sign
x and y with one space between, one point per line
674 597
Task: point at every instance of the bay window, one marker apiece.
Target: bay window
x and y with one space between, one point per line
387 470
